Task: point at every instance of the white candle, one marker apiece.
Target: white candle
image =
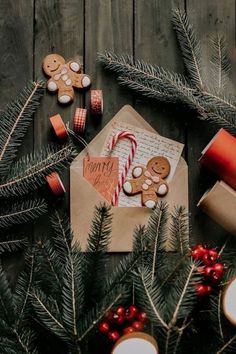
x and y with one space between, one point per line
137 342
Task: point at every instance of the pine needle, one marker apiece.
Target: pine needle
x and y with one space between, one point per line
15 121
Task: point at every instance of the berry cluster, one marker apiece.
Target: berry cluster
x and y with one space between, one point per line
122 321
210 268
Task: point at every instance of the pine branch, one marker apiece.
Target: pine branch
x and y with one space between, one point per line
15 121
229 346
220 62
90 321
190 47
72 291
19 213
156 233
179 234
48 314
149 296
12 244
6 299
30 172
96 255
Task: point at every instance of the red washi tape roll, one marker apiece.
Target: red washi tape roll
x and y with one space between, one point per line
59 126
55 183
96 102
80 120
220 157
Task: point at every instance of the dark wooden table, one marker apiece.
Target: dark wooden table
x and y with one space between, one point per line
31 29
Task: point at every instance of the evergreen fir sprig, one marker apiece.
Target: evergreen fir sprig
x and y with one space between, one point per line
29 173
22 212
179 235
12 244
15 121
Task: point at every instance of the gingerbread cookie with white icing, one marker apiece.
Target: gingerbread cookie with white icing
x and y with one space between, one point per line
64 76
149 181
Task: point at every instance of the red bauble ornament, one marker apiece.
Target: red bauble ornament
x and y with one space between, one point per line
203 290
113 335
104 327
128 330
120 311
142 317
198 252
210 257
138 326
131 313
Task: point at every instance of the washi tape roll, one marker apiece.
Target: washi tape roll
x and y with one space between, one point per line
220 204
79 121
136 343
59 126
220 157
55 184
96 102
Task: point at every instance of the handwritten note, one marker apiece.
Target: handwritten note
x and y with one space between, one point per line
103 174
149 145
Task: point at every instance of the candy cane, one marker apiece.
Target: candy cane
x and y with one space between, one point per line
112 144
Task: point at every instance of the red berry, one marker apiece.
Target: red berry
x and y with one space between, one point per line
109 315
216 278
208 271
132 313
114 336
203 289
198 252
104 327
142 317
128 330
218 268
118 319
120 311
210 257
137 325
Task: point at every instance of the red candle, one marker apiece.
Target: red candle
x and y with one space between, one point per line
220 157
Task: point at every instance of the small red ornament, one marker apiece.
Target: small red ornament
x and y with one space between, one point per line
113 335
132 313
142 317
137 325
210 257
104 327
198 252
120 311
203 290
128 330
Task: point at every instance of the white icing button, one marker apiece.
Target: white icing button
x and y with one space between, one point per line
74 66
156 179
64 99
65 77
150 204
127 187
145 187
148 182
86 81
64 71
162 189
52 86
147 174
68 82
137 171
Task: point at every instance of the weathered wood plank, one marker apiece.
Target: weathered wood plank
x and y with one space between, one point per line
155 43
108 26
209 18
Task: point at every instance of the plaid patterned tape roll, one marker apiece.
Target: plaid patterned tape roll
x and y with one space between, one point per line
79 121
96 102
55 184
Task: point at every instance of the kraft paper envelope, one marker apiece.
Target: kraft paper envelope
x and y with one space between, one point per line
84 197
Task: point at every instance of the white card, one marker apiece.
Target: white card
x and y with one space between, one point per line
148 145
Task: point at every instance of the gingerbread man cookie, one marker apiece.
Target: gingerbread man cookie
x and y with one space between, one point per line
64 76
149 181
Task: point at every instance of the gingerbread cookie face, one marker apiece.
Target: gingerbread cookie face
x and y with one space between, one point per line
149 181
52 63
64 77
159 166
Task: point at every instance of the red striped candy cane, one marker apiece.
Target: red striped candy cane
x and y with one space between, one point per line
112 144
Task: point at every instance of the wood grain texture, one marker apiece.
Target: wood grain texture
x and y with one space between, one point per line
209 18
